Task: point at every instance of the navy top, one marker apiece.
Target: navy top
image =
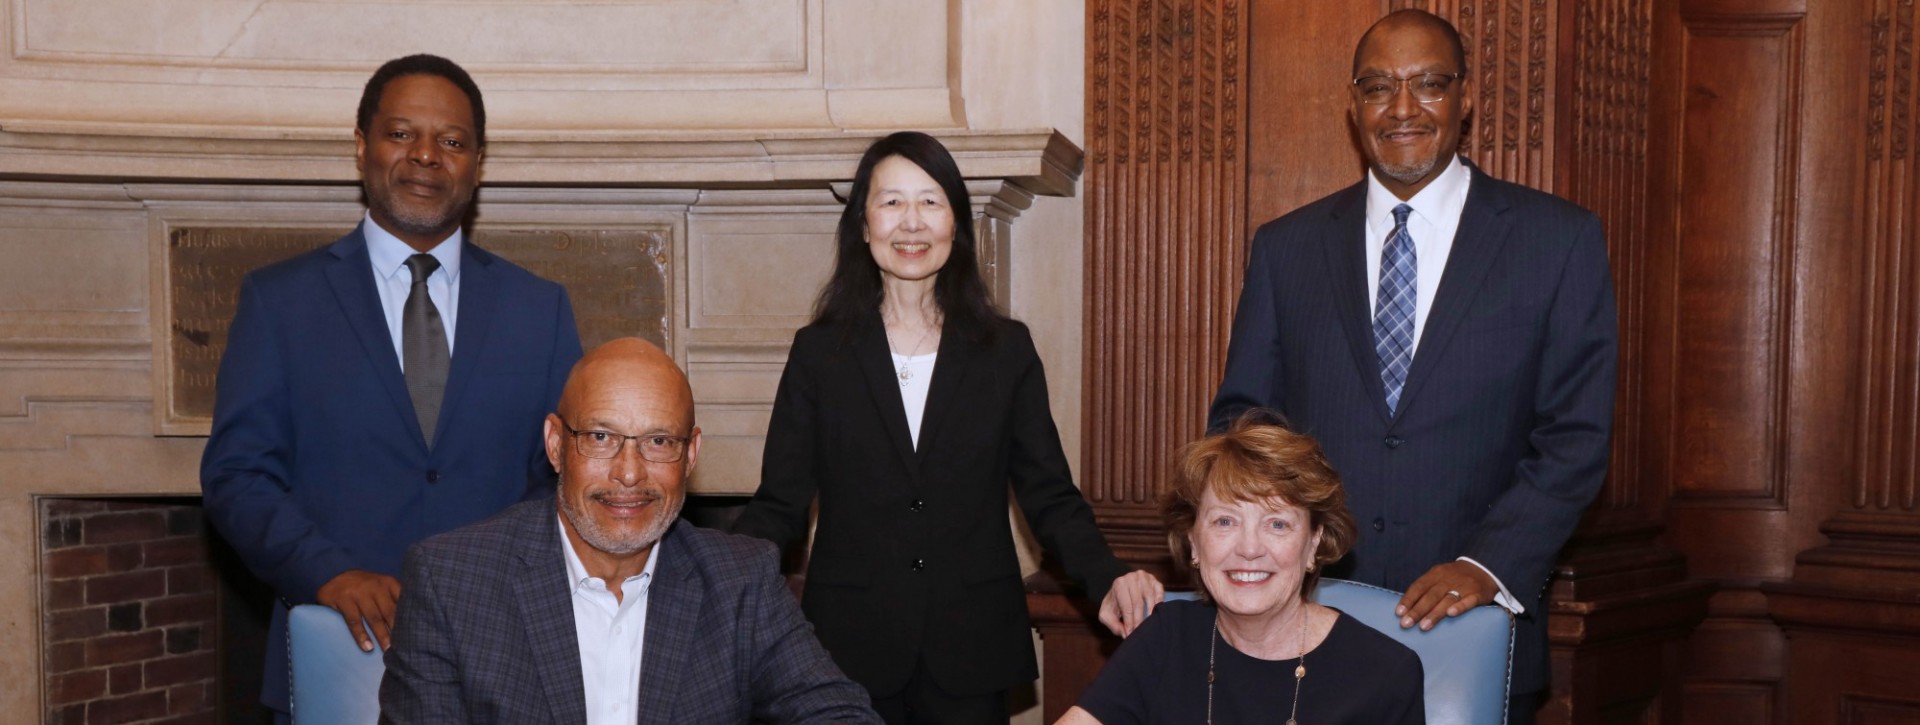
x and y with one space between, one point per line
1159 675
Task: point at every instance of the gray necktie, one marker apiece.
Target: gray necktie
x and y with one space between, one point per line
424 339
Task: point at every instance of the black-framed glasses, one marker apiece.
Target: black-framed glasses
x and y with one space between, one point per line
1425 87
656 447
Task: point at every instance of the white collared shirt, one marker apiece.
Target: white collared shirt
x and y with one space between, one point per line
1433 223
612 634
1435 218
394 282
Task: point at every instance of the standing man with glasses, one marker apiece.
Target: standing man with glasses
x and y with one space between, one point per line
388 386
594 605
1449 338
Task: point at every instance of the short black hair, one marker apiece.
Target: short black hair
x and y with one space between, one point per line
1416 16
423 64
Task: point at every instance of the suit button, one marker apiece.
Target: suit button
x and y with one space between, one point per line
916 506
919 564
1379 524
1393 441
433 477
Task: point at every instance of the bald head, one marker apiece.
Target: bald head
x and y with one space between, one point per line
626 367
1412 20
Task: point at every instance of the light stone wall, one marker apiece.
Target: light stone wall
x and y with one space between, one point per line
728 122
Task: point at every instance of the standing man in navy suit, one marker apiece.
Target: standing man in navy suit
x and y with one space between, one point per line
1449 338
388 386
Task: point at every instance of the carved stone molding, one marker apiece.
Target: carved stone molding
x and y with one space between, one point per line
193 66
1041 160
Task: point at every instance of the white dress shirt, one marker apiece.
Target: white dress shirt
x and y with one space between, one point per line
1432 225
1435 218
394 281
913 388
612 634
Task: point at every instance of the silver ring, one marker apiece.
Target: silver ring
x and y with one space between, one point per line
1454 594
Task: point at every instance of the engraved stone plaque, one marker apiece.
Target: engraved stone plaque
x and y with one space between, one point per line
617 279
204 267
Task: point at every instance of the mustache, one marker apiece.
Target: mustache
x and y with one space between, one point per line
1405 127
645 495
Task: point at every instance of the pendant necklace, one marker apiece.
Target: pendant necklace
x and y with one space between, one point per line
906 372
1299 672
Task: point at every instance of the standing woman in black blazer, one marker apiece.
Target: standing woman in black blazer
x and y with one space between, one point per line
908 408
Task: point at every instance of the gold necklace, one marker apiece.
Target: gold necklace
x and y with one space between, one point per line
1299 672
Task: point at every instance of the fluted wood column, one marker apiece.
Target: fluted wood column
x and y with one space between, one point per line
1165 185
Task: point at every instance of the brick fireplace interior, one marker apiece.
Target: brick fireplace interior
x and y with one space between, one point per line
149 618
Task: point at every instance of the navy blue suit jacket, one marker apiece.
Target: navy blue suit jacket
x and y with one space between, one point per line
1503 432
316 463
485 633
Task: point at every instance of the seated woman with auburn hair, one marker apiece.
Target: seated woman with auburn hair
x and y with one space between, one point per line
1257 511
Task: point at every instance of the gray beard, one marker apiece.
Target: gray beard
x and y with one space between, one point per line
609 542
413 222
1408 174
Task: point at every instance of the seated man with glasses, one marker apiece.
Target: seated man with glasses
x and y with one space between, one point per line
598 605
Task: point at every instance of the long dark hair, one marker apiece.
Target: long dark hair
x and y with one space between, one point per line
854 291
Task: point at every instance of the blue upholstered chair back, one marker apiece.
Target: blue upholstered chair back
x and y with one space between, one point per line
1467 658
334 683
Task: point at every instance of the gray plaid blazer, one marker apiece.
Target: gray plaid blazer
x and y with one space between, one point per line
484 633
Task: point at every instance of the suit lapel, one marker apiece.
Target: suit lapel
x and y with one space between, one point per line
883 383
1483 231
351 277
1346 255
543 595
674 600
470 336
950 369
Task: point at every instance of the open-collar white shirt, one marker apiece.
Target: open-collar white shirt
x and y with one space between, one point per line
1435 219
394 281
611 634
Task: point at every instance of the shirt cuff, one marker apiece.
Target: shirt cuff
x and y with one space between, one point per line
1504 598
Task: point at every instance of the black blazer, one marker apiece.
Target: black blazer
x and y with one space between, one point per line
913 555
1502 435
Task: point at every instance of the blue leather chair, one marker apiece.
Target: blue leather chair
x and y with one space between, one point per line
1468 659
334 683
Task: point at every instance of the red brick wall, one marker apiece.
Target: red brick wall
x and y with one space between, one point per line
132 614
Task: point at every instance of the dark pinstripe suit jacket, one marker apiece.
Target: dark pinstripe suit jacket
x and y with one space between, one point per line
1502 435
484 633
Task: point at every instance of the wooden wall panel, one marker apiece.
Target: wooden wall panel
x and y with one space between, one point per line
1735 258
1852 609
1166 237
1889 411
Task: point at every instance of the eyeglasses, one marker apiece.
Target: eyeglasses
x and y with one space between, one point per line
656 447
1426 87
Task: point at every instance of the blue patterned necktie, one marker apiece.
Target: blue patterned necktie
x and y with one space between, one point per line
1393 311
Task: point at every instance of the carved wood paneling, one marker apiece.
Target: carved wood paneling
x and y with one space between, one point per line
1606 171
1889 414
1165 242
